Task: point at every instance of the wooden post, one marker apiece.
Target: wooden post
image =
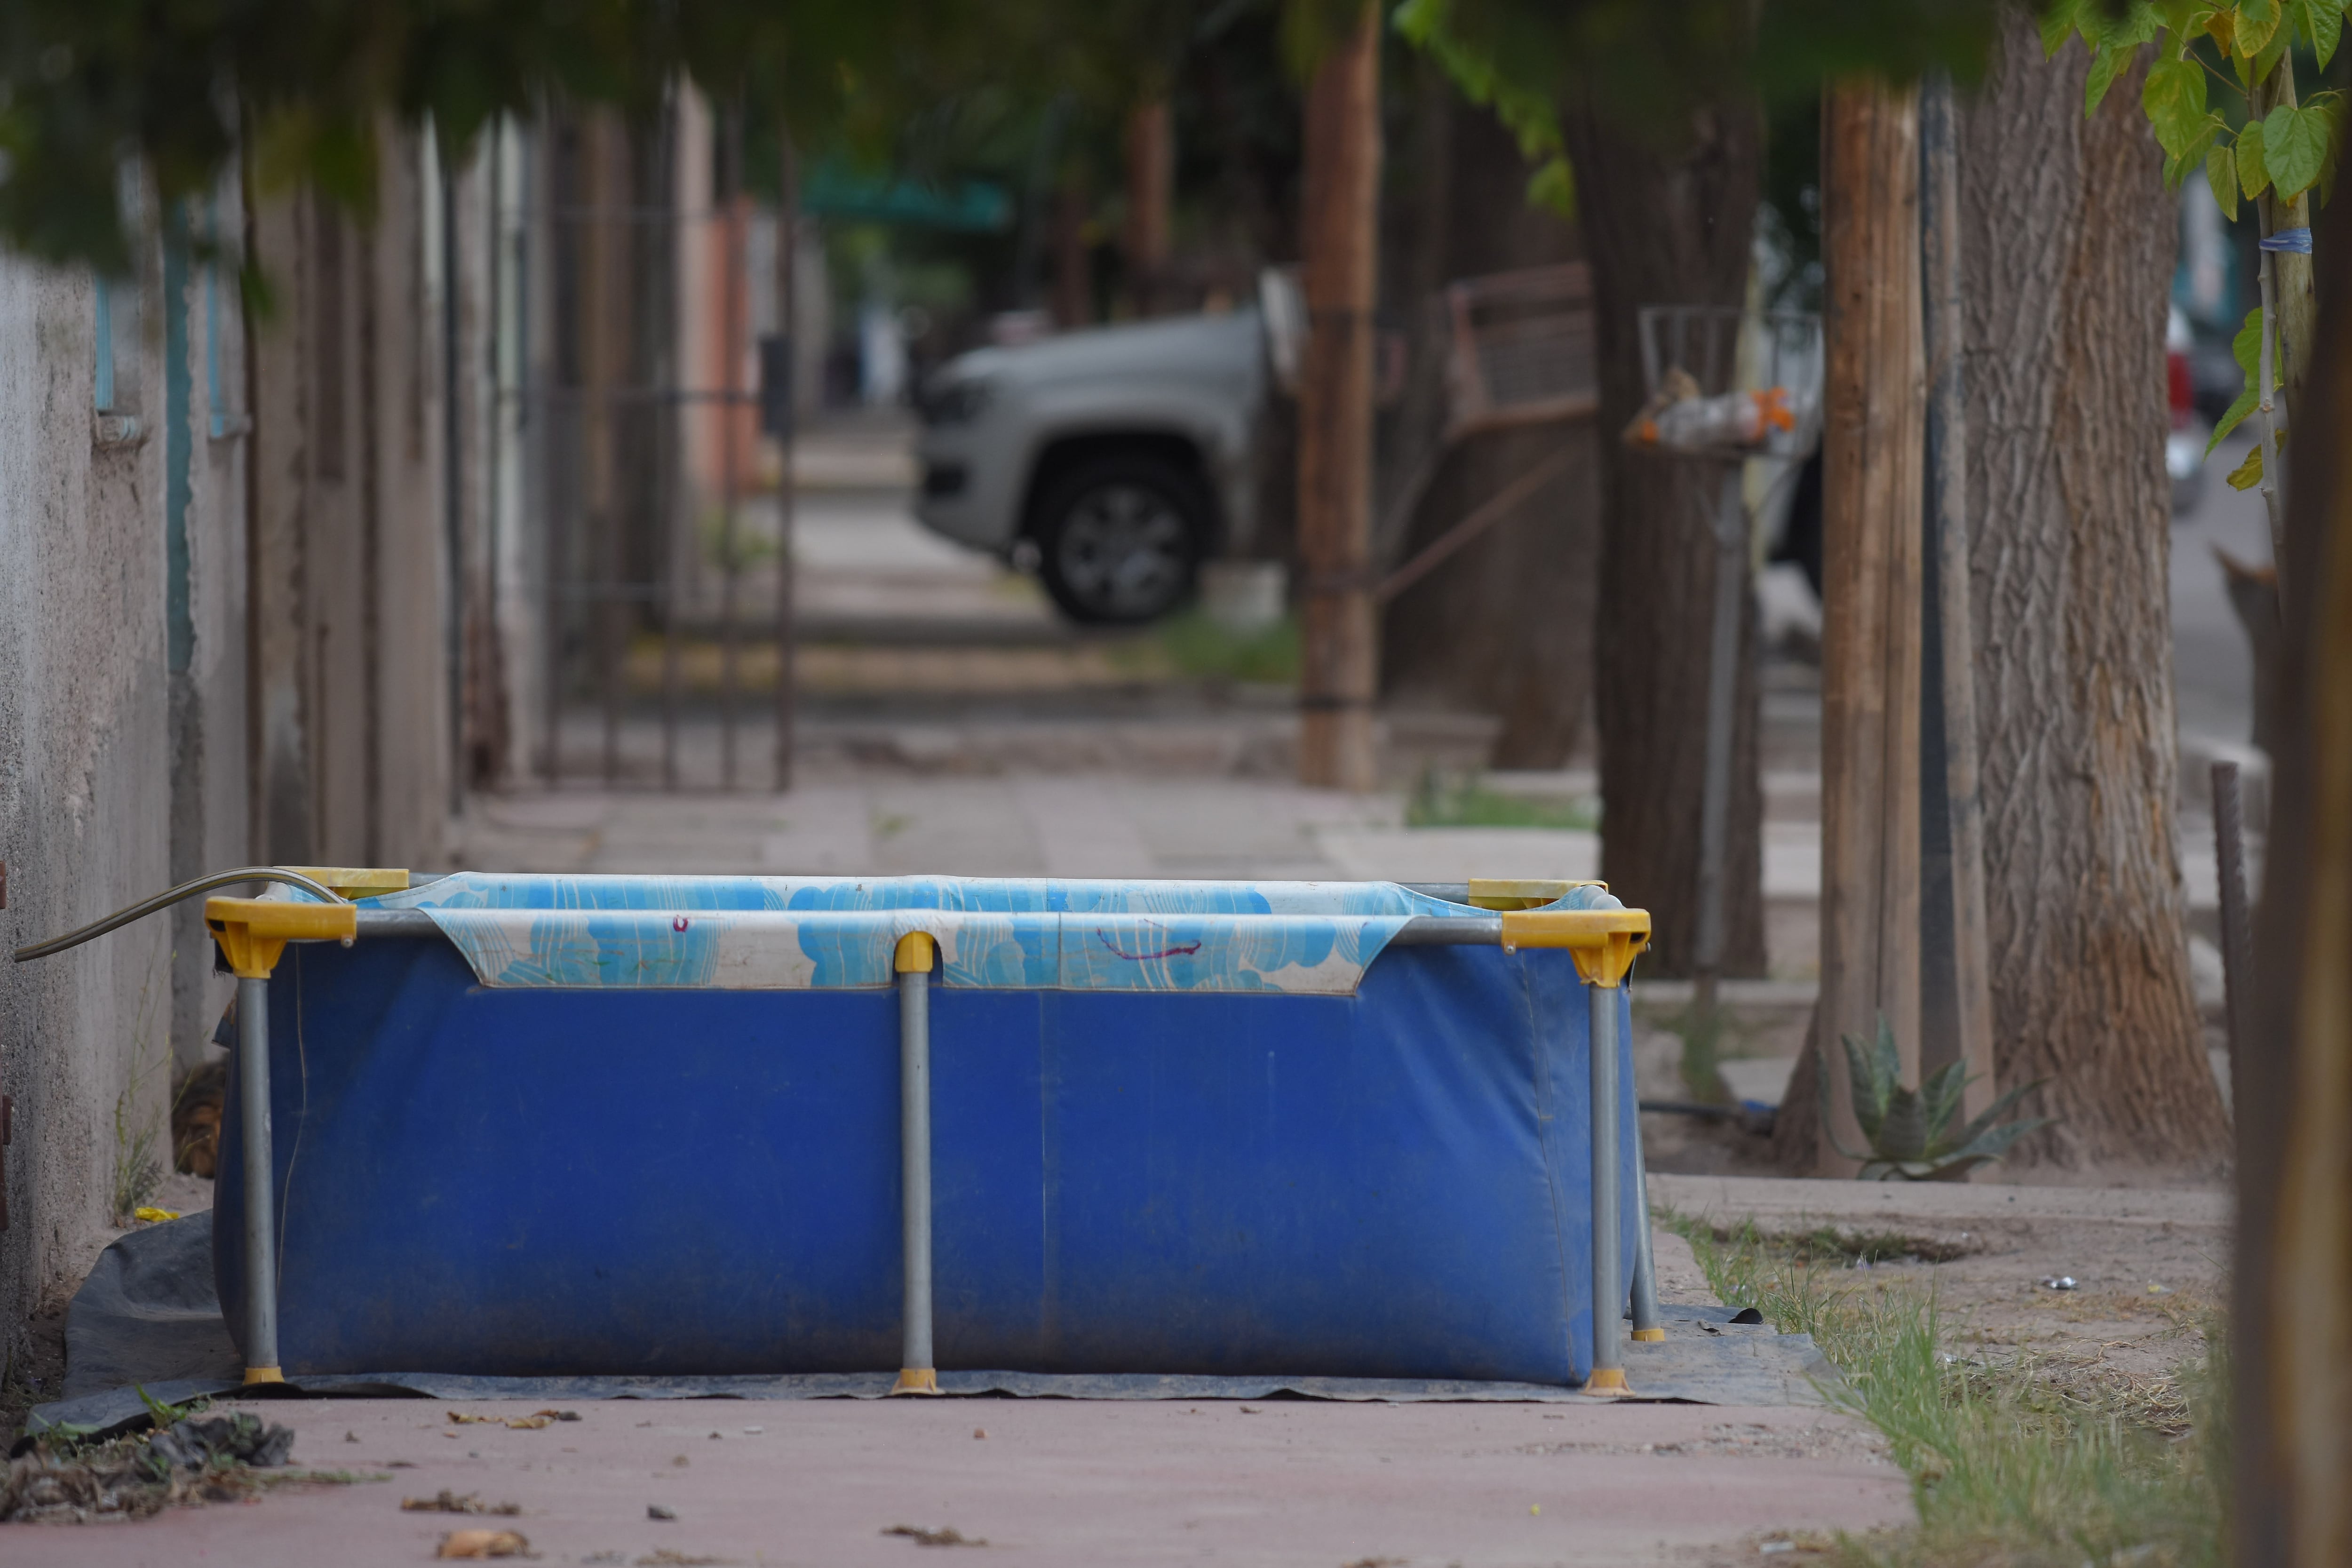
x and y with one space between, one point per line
2291 1318
1872 434
1955 975
1341 246
1151 180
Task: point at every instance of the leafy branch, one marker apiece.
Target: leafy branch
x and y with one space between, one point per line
2277 154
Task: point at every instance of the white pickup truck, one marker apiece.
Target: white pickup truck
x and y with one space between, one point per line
1122 457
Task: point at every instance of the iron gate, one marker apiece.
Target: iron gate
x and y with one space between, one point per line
658 415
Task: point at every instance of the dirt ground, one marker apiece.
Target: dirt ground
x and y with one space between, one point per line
2148 1265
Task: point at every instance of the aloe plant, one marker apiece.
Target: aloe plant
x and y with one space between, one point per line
1910 1131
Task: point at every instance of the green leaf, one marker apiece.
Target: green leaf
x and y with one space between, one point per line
1904 1134
2141 23
1553 185
1978 1132
2104 66
2294 148
2254 169
2246 348
1869 1091
2322 23
2060 23
2248 474
2258 21
2174 101
2222 178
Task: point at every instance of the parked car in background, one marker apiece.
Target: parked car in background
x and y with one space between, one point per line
1122 457
2184 443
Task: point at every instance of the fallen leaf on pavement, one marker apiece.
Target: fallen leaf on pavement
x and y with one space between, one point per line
946 1535
450 1502
483 1544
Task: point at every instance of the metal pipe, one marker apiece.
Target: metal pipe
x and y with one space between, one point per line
171 896
1731 531
1608 1299
916 1370
261 1183
1647 1324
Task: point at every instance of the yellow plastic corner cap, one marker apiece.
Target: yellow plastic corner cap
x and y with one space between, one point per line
252 932
354 881
1520 892
1602 941
914 952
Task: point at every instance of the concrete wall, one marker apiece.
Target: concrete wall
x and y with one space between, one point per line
350 610
225 618
85 769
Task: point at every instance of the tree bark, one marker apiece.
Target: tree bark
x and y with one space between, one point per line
1151 188
1874 410
2291 1322
2069 240
1506 627
1337 653
1666 228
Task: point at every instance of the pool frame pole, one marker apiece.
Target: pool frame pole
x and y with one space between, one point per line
1607 1298
253 935
918 1371
260 1196
1603 941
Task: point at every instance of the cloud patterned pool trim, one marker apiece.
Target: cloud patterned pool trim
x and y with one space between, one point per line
852 949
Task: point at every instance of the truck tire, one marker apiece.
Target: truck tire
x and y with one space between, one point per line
1120 537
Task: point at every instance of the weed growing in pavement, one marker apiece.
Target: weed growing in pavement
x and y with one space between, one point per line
1196 645
138 1170
2023 1462
1439 801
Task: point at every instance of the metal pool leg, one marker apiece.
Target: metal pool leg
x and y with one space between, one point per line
916 1372
1647 1325
253 933
261 1181
1608 1299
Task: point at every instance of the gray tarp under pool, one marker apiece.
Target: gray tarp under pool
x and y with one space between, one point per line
148 1318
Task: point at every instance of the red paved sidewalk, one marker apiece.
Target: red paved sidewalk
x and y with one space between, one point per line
1085 1483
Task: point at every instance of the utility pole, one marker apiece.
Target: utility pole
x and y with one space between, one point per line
1872 437
1339 242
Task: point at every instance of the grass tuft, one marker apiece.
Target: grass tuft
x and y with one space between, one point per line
1442 802
2023 1463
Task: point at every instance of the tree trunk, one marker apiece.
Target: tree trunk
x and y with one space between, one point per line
1151 185
1506 627
1340 241
1666 228
2291 1323
2069 237
1873 402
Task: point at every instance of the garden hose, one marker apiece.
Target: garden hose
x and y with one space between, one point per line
171 896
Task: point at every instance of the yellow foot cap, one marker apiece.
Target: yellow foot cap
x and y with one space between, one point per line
917 1380
1606 1380
264 1374
1649 1336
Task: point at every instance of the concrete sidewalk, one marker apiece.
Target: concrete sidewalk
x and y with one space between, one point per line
1053 1482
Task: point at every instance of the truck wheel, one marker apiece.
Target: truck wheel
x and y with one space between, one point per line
1120 539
